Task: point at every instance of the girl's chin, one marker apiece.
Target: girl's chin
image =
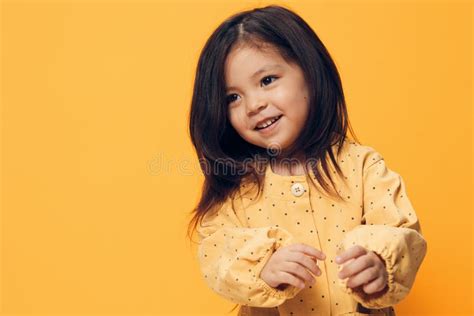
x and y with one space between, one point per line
272 143
276 145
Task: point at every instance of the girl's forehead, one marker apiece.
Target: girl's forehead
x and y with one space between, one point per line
246 53
242 61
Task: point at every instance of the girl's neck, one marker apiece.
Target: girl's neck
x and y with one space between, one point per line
288 167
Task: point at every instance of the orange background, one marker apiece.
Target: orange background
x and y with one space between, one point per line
99 175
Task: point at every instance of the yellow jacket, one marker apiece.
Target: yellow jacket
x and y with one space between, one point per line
236 242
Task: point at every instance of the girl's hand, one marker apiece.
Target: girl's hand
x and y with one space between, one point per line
292 265
367 270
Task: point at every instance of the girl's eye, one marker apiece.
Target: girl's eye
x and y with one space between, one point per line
230 98
268 77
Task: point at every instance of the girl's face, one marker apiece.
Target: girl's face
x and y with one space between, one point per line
261 86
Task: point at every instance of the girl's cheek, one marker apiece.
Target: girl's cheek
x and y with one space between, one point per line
278 95
235 119
239 118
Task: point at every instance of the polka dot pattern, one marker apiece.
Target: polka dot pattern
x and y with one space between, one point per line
237 241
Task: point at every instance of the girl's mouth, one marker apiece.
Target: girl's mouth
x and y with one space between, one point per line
269 127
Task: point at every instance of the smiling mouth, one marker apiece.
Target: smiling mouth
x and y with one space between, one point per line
262 128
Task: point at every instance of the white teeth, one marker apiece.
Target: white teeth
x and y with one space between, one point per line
268 122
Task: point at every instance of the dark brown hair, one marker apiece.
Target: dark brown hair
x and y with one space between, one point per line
220 148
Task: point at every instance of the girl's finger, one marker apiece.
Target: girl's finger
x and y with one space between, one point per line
362 278
353 252
310 251
289 278
305 261
374 286
298 270
355 266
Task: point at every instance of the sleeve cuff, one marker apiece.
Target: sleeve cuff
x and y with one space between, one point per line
389 297
282 239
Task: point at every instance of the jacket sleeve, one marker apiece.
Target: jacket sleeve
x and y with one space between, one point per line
391 229
232 256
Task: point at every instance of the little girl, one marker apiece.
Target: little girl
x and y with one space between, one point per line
294 218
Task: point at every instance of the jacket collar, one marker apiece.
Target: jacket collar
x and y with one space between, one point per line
280 186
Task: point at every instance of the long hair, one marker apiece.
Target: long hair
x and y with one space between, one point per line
220 148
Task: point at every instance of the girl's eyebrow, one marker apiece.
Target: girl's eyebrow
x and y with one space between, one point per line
263 69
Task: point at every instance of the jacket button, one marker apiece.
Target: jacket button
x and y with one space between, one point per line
297 189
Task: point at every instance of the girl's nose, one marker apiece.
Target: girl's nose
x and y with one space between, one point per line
255 107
